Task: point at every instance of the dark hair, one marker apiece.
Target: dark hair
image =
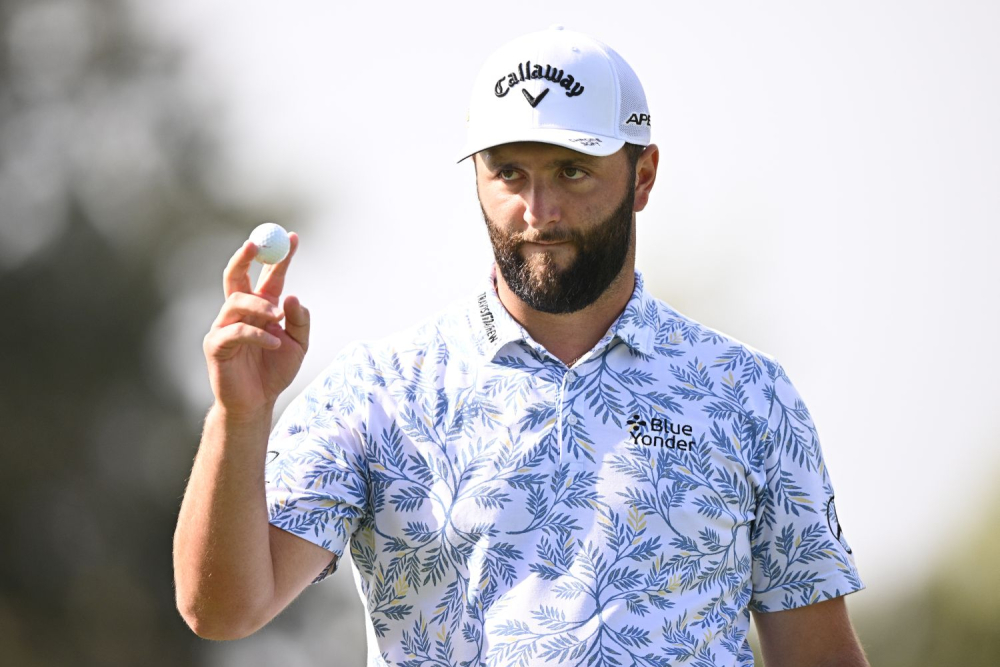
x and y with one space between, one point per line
633 152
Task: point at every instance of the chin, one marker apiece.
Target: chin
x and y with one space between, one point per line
561 257
546 270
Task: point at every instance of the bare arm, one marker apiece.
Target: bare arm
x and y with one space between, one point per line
232 570
817 635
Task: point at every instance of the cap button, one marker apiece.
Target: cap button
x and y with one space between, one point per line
557 27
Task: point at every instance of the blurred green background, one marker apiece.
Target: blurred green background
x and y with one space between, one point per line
104 187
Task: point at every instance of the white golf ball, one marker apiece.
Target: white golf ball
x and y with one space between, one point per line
272 243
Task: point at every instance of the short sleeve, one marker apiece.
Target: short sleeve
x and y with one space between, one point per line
800 554
315 473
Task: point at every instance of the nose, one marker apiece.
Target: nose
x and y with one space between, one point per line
541 205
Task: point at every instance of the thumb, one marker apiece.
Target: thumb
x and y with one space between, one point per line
297 321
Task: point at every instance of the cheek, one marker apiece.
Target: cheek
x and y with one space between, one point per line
502 208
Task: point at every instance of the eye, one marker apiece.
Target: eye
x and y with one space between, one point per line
507 174
574 173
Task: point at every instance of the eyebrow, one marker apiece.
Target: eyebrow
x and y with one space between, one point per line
494 160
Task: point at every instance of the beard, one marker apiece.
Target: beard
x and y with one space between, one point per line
601 251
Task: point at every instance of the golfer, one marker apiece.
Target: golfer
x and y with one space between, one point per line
560 470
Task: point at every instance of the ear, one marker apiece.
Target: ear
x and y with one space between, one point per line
645 175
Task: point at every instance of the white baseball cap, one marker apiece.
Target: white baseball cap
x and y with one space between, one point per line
557 87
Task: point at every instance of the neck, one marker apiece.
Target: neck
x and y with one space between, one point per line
568 336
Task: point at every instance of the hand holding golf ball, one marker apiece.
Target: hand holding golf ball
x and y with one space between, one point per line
251 357
272 243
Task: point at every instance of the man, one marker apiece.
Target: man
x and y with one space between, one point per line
562 470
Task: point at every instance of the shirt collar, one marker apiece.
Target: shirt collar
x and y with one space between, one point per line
638 323
493 326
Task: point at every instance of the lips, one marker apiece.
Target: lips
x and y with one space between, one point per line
546 241
537 247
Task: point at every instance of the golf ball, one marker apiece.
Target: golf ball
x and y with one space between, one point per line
271 241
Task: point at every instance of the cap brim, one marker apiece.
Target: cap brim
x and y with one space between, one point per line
582 142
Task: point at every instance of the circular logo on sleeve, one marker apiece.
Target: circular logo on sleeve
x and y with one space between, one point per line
834 523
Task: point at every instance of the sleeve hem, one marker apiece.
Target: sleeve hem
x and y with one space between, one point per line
336 550
783 598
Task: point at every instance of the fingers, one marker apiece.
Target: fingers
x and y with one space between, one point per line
272 278
259 313
221 343
253 317
236 277
249 308
297 321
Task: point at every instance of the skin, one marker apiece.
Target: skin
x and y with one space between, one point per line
817 635
532 189
234 572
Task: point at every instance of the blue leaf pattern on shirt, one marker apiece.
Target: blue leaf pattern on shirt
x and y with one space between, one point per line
502 511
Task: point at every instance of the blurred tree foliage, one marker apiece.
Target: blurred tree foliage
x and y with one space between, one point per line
103 180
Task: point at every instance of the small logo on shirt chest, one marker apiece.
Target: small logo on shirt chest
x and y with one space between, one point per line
659 432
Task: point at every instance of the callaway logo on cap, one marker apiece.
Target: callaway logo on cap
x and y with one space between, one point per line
557 87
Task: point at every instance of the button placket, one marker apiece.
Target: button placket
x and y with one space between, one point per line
565 419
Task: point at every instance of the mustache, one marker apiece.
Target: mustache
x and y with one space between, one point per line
553 236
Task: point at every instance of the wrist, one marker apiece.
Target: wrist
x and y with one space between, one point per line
243 418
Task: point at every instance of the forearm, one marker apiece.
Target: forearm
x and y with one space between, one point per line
223 569
848 656
816 635
855 659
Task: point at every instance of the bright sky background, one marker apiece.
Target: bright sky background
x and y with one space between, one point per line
829 193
